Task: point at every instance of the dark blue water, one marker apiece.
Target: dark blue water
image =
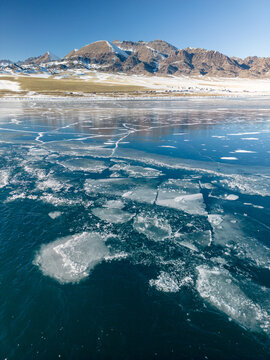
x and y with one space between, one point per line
135 229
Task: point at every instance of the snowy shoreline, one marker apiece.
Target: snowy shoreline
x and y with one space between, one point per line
96 86
86 99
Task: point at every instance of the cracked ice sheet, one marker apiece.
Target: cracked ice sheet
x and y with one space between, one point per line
197 166
181 195
136 171
84 164
127 188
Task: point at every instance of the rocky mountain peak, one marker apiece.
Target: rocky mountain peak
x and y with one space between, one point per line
156 57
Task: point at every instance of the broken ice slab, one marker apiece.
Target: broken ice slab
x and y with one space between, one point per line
154 227
136 190
112 215
181 194
195 240
143 194
111 186
84 164
238 238
136 171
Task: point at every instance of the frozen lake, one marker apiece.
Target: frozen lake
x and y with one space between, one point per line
135 229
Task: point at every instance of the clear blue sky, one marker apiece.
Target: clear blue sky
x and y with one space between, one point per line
234 27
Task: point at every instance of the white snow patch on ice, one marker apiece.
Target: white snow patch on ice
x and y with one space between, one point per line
231 197
228 158
245 151
250 139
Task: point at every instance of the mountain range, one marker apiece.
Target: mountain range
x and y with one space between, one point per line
143 58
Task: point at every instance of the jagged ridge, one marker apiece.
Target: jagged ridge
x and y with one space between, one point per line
147 58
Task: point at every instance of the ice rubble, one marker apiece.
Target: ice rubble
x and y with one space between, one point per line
221 290
4 177
169 283
37 152
71 258
50 183
165 282
247 185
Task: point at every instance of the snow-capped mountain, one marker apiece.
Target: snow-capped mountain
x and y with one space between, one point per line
148 58
45 58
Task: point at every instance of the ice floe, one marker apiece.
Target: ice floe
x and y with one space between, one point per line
196 240
222 291
181 195
84 164
71 258
111 186
154 227
142 194
116 204
112 215
54 214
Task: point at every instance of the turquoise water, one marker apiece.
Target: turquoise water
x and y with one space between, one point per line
135 229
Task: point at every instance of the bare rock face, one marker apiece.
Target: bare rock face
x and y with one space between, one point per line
258 66
146 58
162 47
213 63
177 63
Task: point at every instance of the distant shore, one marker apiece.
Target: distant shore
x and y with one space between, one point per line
97 85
